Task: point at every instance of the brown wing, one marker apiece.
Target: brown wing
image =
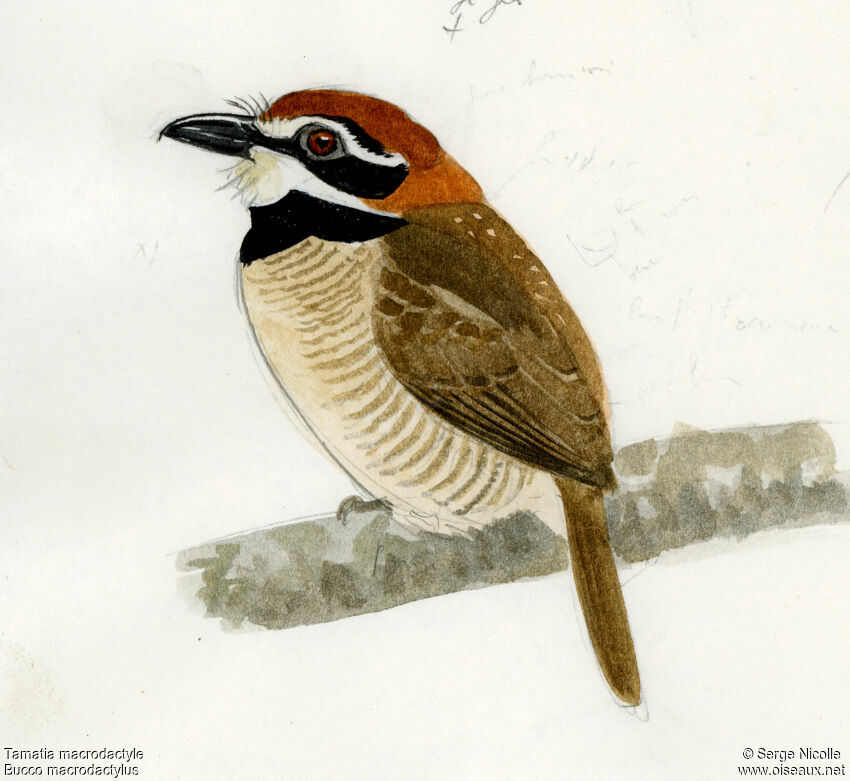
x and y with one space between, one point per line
472 324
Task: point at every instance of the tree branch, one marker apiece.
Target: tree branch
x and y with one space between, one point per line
695 486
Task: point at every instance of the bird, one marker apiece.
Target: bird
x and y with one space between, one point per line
415 335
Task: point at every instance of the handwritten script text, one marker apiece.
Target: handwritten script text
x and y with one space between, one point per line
472 8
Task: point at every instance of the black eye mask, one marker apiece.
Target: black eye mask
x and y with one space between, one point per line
341 168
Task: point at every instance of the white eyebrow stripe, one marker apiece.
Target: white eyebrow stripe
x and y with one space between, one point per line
287 128
282 128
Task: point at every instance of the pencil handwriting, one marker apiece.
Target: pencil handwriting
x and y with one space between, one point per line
466 11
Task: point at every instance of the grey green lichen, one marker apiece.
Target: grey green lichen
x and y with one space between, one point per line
246 579
700 485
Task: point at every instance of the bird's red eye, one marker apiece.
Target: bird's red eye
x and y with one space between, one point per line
321 142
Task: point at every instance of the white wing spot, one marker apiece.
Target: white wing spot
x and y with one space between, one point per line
491 232
471 234
458 219
476 215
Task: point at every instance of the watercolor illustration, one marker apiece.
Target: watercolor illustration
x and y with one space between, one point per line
423 346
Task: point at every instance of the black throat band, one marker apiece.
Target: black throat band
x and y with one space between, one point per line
297 216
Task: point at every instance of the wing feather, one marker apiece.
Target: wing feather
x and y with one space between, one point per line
470 322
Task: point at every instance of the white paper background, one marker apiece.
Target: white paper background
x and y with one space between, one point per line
676 165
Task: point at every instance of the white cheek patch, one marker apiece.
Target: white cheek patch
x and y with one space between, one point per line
267 176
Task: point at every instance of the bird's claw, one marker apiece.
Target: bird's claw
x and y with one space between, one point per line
354 505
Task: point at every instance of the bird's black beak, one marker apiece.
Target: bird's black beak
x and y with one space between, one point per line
227 134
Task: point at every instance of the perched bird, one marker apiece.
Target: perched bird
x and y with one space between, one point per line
417 337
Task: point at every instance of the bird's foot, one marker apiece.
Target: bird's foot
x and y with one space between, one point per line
354 505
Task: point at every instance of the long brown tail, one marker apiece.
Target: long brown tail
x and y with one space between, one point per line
598 588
